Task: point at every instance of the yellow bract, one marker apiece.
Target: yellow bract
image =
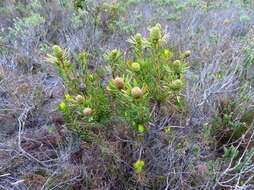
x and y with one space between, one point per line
139 166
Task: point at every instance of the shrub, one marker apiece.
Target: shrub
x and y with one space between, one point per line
83 92
230 123
132 102
80 4
149 74
153 65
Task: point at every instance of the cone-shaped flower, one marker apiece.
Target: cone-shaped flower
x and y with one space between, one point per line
63 107
135 66
155 33
87 111
58 52
119 83
136 92
80 98
139 166
177 85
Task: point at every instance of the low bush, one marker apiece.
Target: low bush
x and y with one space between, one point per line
147 76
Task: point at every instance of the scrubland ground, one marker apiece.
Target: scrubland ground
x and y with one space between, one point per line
126 94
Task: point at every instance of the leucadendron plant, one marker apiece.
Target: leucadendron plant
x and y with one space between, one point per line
85 105
132 101
146 76
152 64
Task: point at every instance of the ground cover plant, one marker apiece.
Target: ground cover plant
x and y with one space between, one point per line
126 94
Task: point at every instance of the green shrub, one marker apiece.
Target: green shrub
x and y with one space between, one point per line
227 126
149 74
24 25
152 64
132 102
80 4
83 90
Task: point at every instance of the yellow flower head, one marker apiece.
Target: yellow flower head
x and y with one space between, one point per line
139 166
68 97
135 66
63 107
58 52
141 128
155 33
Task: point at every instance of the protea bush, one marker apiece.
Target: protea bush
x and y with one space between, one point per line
145 77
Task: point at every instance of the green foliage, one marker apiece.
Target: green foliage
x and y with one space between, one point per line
100 20
80 4
22 26
213 168
151 76
151 64
84 90
230 153
107 16
132 102
227 123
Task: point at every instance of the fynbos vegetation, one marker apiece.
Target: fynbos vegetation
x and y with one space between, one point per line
126 94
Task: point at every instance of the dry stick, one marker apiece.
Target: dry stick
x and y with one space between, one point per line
21 125
5 175
7 46
229 169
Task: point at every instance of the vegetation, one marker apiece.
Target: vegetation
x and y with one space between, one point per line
126 94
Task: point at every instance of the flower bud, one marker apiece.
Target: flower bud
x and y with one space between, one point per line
139 166
177 85
91 77
80 98
186 54
136 92
139 40
119 83
58 52
167 54
141 128
177 62
83 57
135 66
68 97
63 107
87 111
